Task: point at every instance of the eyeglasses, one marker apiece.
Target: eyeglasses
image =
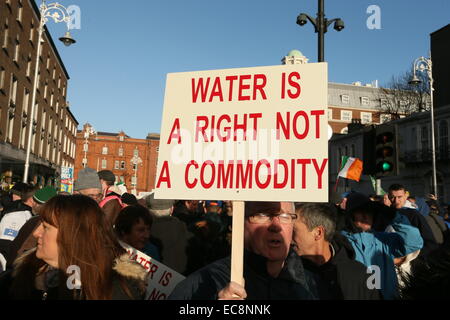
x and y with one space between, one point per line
261 218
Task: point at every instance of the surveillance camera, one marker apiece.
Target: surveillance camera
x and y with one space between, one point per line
301 19
339 25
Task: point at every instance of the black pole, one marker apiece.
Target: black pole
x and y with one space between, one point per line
321 30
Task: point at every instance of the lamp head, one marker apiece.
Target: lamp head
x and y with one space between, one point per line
302 19
415 80
67 39
339 25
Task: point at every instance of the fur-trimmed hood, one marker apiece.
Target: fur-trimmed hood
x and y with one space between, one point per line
129 269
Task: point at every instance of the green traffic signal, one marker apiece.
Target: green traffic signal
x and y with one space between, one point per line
386 166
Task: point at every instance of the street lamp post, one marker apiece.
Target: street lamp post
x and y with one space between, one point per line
136 160
321 25
424 64
89 131
59 14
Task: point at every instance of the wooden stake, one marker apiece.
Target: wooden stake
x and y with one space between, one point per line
237 243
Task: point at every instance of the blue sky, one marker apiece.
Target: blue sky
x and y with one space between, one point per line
125 49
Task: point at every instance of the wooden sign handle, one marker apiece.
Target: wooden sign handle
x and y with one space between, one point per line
237 243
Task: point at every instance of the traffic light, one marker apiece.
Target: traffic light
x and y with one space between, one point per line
385 151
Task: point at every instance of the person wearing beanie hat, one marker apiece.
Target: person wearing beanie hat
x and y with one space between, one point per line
88 184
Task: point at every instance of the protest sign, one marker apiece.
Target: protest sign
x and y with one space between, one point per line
66 179
250 134
161 279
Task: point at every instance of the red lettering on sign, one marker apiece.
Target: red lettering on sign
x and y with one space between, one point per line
317 114
199 88
247 89
209 184
223 177
277 184
259 87
164 176
303 162
319 171
216 91
186 174
177 134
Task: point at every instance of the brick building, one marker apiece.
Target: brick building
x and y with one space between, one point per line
115 151
53 126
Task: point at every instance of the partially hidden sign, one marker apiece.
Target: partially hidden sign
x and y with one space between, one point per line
161 279
251 134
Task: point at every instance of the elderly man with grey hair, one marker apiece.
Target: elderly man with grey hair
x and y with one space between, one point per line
329 256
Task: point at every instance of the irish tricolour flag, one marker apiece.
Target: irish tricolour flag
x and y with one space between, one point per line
351 168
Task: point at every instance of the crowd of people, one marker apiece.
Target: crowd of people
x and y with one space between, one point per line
365 247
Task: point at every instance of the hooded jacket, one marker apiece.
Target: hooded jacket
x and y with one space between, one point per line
48 286
378 250
342 277
205 284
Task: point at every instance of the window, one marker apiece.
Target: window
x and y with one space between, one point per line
133 181
105 150
365 101
116 164
31 33
366 117
122 165
5 35
16 50
104 163
120 152
13 89
19 12
346 115
121 138
136 152
345 99
134 166
85 147
84 162
28 72
330 114
2 79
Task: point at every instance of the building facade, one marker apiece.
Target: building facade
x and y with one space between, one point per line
53 125
119 153
349 101
414 160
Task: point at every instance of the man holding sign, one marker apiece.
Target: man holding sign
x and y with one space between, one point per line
250 134
270 270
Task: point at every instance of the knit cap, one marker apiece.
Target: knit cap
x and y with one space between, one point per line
87 179
43 195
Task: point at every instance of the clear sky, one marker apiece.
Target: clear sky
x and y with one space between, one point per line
125 49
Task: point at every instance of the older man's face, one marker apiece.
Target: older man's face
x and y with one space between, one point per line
273 238
93 193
